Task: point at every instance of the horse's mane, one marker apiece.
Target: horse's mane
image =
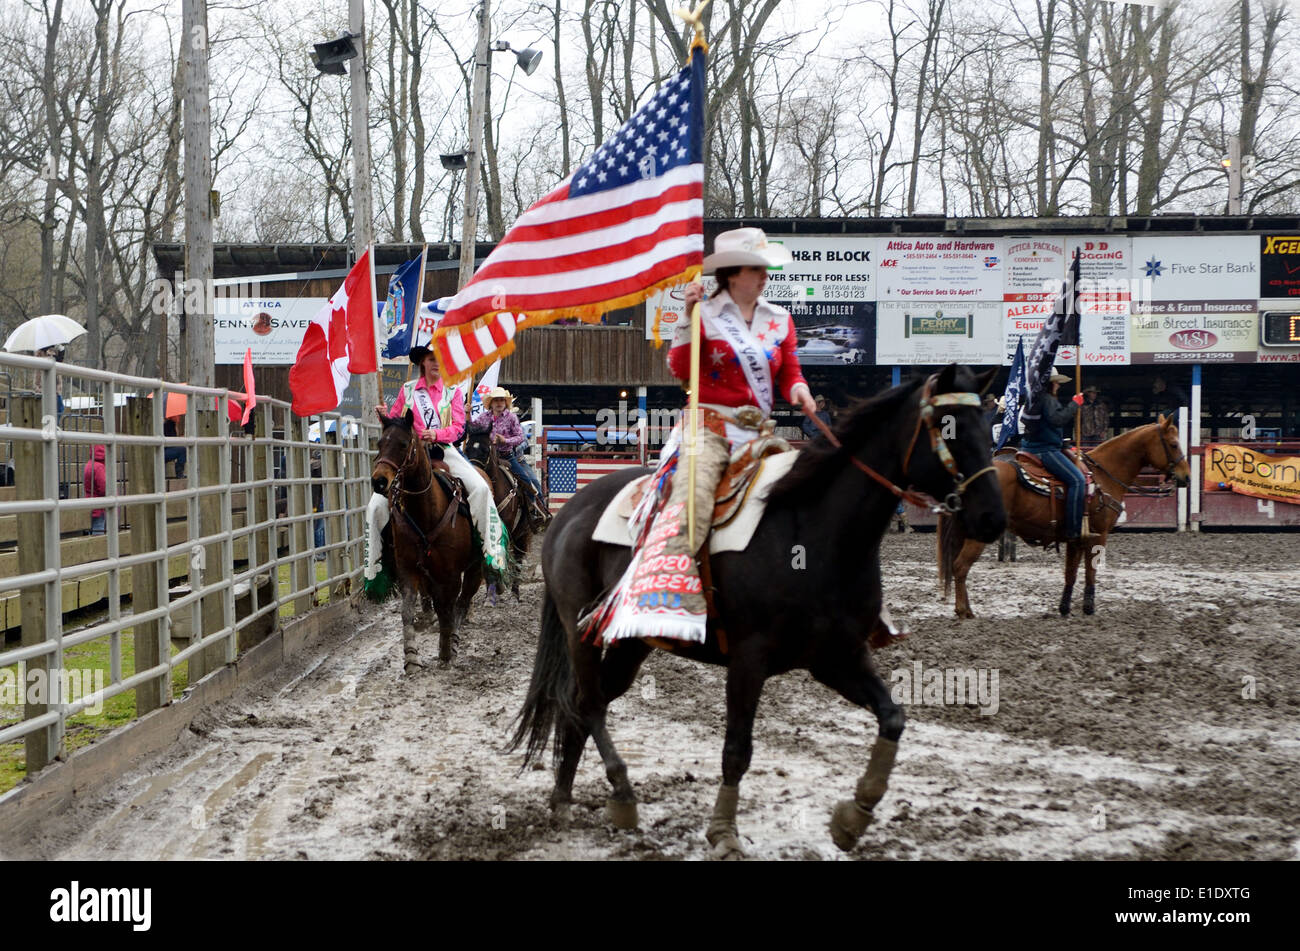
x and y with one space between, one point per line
819 461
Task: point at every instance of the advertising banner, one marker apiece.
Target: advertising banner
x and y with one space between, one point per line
670 304
940 268
272 327
1279 266
829 290
1198 303
1106 289
939 331
1249 472
1033 271
1279 291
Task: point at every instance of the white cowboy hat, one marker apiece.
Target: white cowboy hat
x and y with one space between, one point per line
745 247
1058 377
499 393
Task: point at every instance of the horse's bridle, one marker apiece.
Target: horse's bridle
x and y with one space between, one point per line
1169 456
1170 461
930 401
396 484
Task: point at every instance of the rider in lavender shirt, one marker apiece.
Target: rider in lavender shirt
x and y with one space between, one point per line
507 434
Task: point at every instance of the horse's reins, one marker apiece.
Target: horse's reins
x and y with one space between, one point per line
1160 490
929 401
397 489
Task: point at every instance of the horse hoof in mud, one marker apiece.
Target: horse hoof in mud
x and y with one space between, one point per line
727 849
850 818
621 815
848 822
562 814
448 650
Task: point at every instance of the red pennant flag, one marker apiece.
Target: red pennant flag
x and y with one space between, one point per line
249 392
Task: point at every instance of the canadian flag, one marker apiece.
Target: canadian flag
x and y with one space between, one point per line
340 341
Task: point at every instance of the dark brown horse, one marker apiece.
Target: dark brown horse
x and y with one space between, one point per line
805 594
433 546
1114 465
508 494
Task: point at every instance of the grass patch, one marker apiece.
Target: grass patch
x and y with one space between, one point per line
85 728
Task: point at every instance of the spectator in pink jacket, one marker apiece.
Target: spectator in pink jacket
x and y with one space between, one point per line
94 482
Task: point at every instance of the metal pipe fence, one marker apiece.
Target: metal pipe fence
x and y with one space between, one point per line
185 573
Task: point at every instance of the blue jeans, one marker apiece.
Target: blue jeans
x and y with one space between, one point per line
523 471
178 454
1059 465
97 524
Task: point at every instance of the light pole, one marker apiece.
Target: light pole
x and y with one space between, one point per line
469 225
362 225
329 57
527 60
1233 164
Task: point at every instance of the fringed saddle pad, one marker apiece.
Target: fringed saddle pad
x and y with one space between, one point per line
739 504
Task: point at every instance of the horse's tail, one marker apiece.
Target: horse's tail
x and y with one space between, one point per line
949 536
550 699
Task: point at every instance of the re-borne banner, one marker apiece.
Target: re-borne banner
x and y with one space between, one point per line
1250 472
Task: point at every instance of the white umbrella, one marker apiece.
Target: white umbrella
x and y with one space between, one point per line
41 332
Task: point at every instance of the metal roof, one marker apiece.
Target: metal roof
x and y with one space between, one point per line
243 260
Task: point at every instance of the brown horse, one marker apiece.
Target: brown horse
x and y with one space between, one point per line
1114 465
511 503
433 546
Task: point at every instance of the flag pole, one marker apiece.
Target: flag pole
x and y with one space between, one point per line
693 408
1078 350
419 304
694 19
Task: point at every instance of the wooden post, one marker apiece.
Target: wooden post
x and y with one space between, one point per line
146 593
260 507
299 504
335 528
28 484
199 329
214 613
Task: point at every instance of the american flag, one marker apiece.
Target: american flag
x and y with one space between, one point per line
628 221
567 474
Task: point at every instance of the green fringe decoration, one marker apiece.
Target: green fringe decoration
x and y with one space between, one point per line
380 587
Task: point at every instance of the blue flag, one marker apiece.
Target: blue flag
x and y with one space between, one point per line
1011 398
400 309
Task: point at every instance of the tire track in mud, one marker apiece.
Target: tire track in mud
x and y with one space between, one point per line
1123 735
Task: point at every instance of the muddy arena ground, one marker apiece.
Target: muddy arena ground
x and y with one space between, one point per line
1165 727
